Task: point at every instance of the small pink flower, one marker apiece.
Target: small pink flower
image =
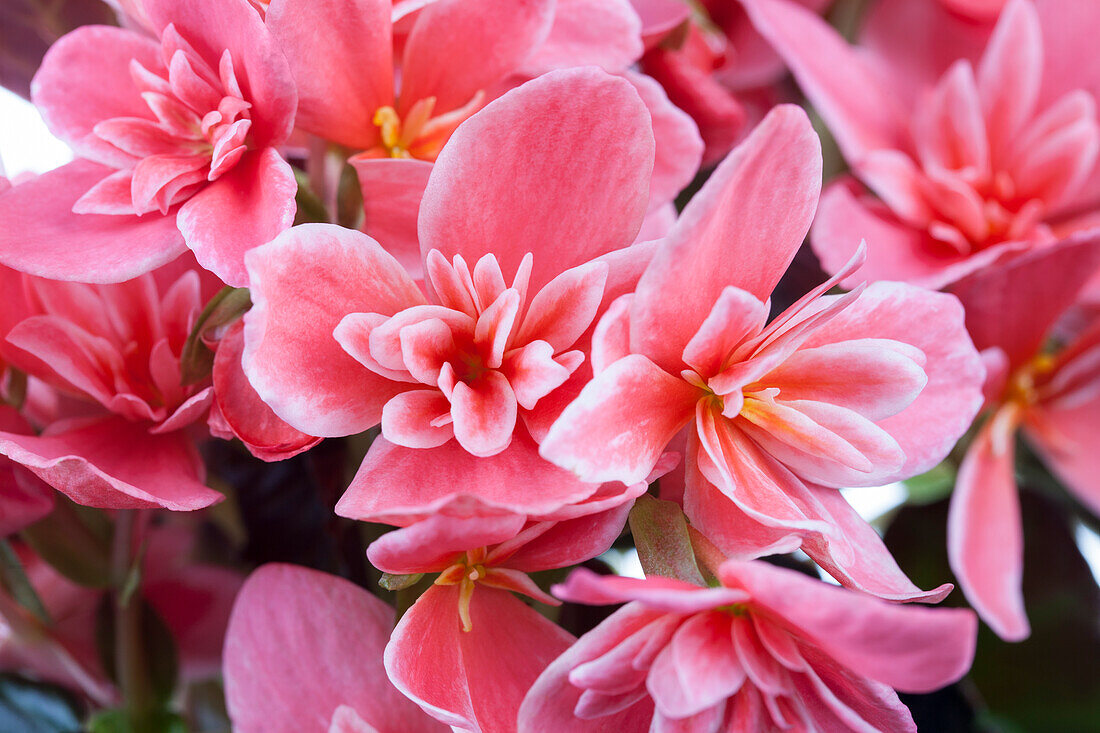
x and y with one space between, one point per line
837 391
769 649
981 164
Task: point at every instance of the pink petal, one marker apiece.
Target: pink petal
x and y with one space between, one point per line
115 464
342 61
430 545
736 317
392 189
699 669
1063 436
399 485
245 208
476 679
911 648
85 79
565 307
263 433
985 540
290 355
950 129
301 644
738 230
604 33
42 236
571 541
861 112
560 205
458 48
407 419
484 414
666 594
1011 72
621 422
533 373
215 26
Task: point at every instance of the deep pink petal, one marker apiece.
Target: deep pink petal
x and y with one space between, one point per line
430 545
621 422
290 356
572 541
342 61
302 643
475 679
566 191
115 464
392 189
42 236
985 541
245 208
739 230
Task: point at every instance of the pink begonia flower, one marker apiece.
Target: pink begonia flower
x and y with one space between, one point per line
979 166
193 600
524 242
303 654
116 348
467 651
837 391
238 412
1051 397
770 649
24 499
454 57
713 65
175 136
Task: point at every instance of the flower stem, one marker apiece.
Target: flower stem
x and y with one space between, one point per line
131 668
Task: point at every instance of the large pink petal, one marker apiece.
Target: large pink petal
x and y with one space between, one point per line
861 111
933 323
472 679
342 61
911 648
245 208
566 178
85 79
399 485
392 189
432 544
621 422
740 229
262 432
1014 305
214 26
458 47
303 284
985 536
115 464
1064 437
42 236
604 33
302 643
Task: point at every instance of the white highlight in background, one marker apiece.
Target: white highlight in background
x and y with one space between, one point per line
26 146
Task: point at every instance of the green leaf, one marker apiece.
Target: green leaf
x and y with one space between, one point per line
32 707
227 306
76 541
399 582
14 579
931 486
118 721
660 533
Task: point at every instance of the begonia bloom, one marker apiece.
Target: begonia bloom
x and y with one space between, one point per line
116 349
520 264
303 653
175 136
837 391
468 650
768 649
984 162
1045 391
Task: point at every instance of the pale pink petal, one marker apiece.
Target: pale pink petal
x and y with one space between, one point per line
622 421
399 485
909 647
604 33
565 307
699 669
476 679
458 47
392 189
950 130
1064 438
739 230
1011 72
666 594
985 541
290 355
342 61
584 194
115 464
245 208
484 414
42 236
861 111
301 644
736 317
